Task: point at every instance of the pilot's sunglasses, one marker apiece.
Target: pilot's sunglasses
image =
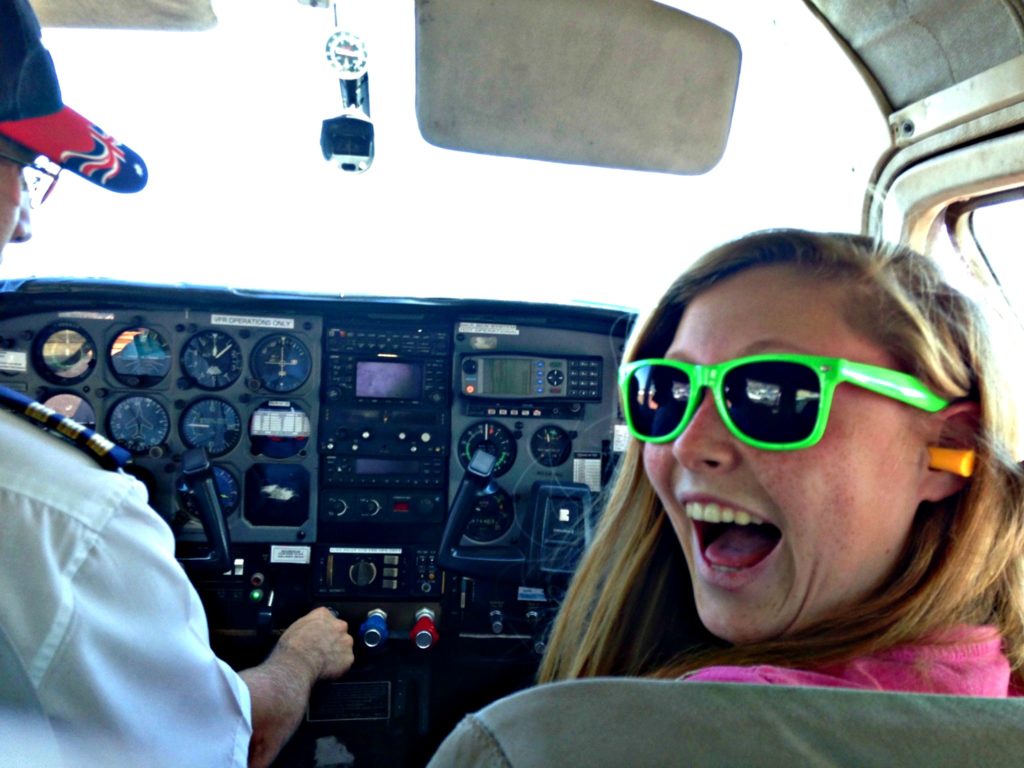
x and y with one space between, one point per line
775 402
38 181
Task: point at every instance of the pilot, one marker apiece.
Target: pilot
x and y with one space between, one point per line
103 640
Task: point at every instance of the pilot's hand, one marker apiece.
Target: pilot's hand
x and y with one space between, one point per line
323 641
316 646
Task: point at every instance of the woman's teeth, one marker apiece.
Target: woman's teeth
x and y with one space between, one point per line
715 513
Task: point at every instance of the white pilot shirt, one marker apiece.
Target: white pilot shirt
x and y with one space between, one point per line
101 632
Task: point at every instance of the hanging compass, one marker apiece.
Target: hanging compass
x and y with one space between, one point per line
346 53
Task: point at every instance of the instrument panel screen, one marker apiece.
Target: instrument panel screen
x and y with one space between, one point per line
370 466
389 380
510 376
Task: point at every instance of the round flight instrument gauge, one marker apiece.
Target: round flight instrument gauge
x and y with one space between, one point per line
140 357
64 353
551 446
138 423
282 363
493 438
492 518
346 53
212 424
228 492
213 360
73 407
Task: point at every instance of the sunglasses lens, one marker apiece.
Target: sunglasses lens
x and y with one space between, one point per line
774 402
656 397
37 184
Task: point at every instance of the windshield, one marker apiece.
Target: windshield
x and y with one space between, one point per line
228 121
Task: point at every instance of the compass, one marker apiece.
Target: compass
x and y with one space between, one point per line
346 53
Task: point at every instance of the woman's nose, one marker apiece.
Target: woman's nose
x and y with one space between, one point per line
706 443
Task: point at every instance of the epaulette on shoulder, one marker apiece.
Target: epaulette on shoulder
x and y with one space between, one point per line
107 454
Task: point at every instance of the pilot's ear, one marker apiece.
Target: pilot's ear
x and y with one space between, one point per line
951 456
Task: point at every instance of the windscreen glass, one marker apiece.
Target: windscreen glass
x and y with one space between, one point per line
229 122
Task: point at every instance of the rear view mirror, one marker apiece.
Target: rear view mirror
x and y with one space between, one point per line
615 83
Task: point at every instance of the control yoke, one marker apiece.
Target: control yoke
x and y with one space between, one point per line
201 493
557 529
499 563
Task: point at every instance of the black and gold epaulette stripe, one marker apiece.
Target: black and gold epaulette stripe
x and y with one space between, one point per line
108 454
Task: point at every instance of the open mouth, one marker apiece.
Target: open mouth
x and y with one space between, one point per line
730 539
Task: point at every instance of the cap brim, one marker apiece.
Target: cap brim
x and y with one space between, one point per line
73 142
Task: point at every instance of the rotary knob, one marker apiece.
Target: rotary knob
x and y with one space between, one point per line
363 573
369 507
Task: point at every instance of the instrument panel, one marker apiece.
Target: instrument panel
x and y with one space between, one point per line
244 387
338 433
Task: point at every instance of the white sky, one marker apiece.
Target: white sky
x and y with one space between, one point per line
228 121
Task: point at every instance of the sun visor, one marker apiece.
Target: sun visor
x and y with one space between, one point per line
126 14
614 83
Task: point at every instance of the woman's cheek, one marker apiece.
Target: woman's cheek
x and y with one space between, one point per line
658 464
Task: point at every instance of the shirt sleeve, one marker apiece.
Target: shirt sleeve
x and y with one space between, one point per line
131 653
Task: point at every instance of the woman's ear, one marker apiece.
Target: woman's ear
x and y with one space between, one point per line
951 456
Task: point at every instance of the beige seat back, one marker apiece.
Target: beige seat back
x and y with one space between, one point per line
628 722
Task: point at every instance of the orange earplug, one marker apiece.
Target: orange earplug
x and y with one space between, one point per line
959 461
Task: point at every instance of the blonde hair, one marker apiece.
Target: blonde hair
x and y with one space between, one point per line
630 609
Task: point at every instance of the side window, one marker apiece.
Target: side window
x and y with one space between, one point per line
994 224
983 236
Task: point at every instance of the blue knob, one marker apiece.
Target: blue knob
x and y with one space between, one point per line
374 631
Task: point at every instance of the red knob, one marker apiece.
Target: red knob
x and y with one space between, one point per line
424 631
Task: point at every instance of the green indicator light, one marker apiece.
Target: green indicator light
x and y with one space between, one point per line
256 595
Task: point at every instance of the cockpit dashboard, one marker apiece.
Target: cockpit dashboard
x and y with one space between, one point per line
338 434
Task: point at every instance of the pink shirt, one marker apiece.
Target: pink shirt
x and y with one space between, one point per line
966 661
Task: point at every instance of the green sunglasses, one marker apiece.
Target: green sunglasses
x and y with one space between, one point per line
774 402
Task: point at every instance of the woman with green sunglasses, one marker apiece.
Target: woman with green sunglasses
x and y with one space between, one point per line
822 488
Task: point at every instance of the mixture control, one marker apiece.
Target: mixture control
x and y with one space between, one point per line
424 631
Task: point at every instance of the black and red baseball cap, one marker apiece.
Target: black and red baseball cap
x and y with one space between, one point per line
33 114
